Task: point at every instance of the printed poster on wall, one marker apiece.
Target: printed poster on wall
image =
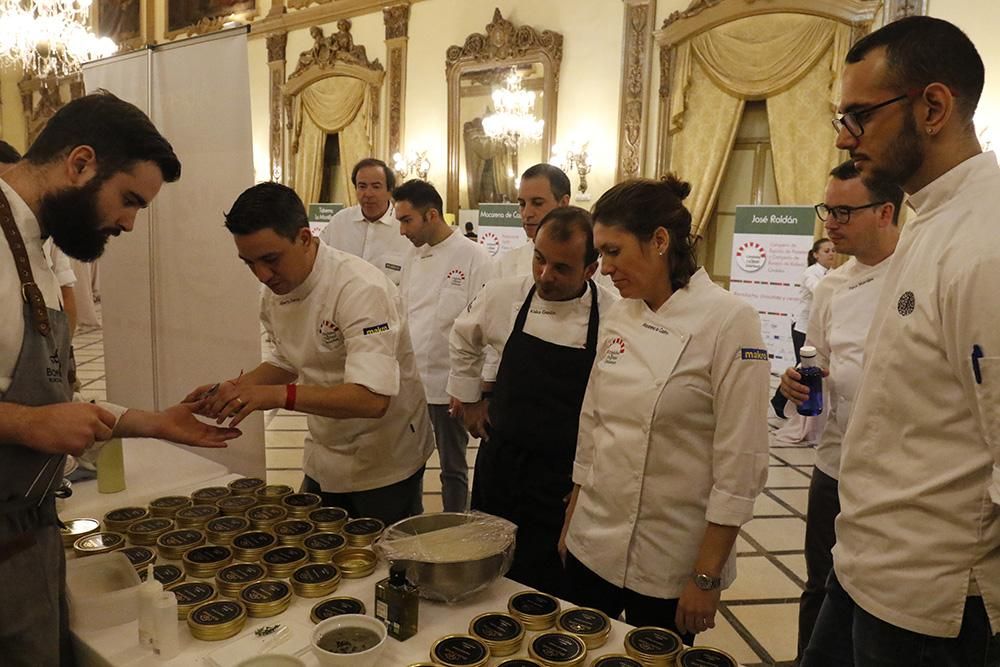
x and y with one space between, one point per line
770 247
320 216
500 228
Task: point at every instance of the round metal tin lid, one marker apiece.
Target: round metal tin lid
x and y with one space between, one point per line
274 490
211 493
520 662
147 526
240 573
126 514
181 538
652 642
293 527
254 539
616 661
208 554
193 592
170 502
246 484
139 555
100 542
217 612
336 607
531 603
197 512
460 650
265 592
703 656
236 502
496 627
363 527
284 555
316 573
76 528
267 513
328 515
558 647
227 524
301 500
165 574
584 621
324 541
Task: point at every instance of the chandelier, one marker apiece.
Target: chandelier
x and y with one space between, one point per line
49 37
514 119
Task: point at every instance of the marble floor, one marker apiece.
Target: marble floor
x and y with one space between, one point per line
758 620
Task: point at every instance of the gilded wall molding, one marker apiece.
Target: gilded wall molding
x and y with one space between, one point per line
316 14
327 52
41 98
397 22
397 28
899 9
276 43
640 17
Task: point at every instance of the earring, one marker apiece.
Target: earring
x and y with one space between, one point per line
660 253
930 130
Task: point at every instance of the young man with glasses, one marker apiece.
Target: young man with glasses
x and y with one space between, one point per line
916 576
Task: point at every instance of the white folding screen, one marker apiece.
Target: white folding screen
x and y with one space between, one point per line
183 308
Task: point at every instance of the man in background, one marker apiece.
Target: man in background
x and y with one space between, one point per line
543 187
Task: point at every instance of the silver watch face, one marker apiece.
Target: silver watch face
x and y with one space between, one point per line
705 582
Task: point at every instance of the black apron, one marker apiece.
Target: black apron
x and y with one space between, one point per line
34 622
524 472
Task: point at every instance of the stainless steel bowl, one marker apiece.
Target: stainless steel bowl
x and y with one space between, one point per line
449 581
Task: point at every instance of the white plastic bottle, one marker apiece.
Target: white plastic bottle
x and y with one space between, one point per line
167 644
149 593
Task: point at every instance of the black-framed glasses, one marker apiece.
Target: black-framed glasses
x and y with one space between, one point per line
842 214
851 121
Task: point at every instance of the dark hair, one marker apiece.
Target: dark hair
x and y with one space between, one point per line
8 154
920 50
811 257
557 178
563 222
878 189
421 195
120 134
643 205
390 175
268 206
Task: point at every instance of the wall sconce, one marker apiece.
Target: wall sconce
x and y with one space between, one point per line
574 157
415 162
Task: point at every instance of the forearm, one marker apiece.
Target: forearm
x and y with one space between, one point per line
13 417
343 401
716 545
69 306
139 424
265 374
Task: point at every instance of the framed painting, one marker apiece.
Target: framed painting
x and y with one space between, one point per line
182 15
121 20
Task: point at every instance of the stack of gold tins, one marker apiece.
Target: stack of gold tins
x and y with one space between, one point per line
282 561
537 611
140 557
168 575
355 563
210 495
235 577
520 662
203 562
362 532
175 543
336 607
223 529
328 519
74 529
502 633
322 547
653 647
217 620
266 598
558 649
460 651
167 506
591 625
145 533
271 494
292 532
315 580
703 656
196 516
98 543
190 594
245 486
251 545
615 660
263 517
300 504
118 521
236 505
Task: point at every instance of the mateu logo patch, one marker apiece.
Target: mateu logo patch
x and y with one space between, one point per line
378 328
753 354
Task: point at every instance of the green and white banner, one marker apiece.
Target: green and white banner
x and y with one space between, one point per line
320 216
500 228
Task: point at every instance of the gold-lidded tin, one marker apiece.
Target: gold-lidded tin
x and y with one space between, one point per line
538 611
217 620
557 649
300 504
145 532
704 656
74 529
328 519
190 594
293 532
336 607
266 598
245 486
234 577
140 557
210 495
173 544
355 563
205 561
460 651
616 660
502 633
362 532
236 505
271 494
167 506
118 520
263 517
196 516
251 545
98 543
167 574
315 580
322 547
282 561
653 646
520 662
222 530
591 625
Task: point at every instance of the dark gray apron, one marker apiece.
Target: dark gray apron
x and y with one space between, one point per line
34 623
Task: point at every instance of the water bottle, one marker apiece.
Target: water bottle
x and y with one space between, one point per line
812 377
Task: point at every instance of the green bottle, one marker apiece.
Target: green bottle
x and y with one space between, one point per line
111 467
397 604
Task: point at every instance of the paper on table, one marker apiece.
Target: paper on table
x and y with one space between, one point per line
289 639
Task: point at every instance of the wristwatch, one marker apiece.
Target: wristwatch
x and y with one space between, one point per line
706 582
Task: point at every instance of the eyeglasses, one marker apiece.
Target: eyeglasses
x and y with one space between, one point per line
842 214
851 121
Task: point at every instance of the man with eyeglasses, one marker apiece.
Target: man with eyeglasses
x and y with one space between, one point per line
862 221
916 577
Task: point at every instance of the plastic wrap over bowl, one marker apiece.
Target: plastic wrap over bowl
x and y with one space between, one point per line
450 556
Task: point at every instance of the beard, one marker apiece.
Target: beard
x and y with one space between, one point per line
904 156
70 217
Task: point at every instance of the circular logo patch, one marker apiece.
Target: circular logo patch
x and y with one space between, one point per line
906 304
751 256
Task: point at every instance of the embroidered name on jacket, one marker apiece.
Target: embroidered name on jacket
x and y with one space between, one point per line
378 328
753 354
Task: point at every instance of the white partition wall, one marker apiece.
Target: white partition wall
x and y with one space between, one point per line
179 307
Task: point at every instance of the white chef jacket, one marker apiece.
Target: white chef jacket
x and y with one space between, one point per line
490 318
377 242
516 262
60 264
673 435
920 468
811 277
843 309
343 324
438 283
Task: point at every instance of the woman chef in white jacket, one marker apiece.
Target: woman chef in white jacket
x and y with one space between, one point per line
673 445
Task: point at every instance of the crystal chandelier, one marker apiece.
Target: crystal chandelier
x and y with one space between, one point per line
49 37
514 119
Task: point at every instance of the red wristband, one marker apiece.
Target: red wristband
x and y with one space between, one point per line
290 397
